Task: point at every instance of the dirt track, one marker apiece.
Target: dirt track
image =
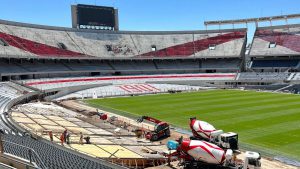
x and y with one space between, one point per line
266 163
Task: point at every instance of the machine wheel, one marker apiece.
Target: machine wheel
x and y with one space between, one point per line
154 137
168 133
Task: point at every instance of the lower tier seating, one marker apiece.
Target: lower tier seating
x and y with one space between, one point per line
52 157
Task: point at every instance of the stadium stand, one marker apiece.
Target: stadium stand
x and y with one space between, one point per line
145 65
16 69
35 47
46 84
263 77
41 41
52 156
84 65
48 58
30 51
275 49
5 67
122 65
228 65
294 77
18 144
8 93
201 46
128 89
38 66
274 63
276 41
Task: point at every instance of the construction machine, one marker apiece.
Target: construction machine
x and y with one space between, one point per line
194 154
102 116
161 129
204 131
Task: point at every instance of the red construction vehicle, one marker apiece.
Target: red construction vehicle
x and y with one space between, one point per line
103 116
161 129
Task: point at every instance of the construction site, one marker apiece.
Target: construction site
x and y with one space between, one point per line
124 141
117 142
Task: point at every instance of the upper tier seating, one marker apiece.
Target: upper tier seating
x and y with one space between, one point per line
42 41
224 43
276 41
36 48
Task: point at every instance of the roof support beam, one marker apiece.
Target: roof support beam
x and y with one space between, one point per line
251 20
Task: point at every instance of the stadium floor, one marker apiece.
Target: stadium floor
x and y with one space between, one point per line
269 122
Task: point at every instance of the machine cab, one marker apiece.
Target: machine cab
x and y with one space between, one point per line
252 160
160 126
229 140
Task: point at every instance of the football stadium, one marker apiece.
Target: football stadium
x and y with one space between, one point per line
95 96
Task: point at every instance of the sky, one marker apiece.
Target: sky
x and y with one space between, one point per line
152 14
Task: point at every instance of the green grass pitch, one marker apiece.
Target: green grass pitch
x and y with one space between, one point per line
268 121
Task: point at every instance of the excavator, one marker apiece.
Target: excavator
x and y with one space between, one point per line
161 129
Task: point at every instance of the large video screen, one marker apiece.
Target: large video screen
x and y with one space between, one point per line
95 15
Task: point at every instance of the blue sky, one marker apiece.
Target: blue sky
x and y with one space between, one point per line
148 14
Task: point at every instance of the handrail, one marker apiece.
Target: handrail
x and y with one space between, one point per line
30 151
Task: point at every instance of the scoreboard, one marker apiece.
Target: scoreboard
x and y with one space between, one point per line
94 17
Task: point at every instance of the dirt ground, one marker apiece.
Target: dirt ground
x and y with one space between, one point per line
266 163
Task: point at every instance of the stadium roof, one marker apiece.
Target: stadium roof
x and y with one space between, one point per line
251 20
